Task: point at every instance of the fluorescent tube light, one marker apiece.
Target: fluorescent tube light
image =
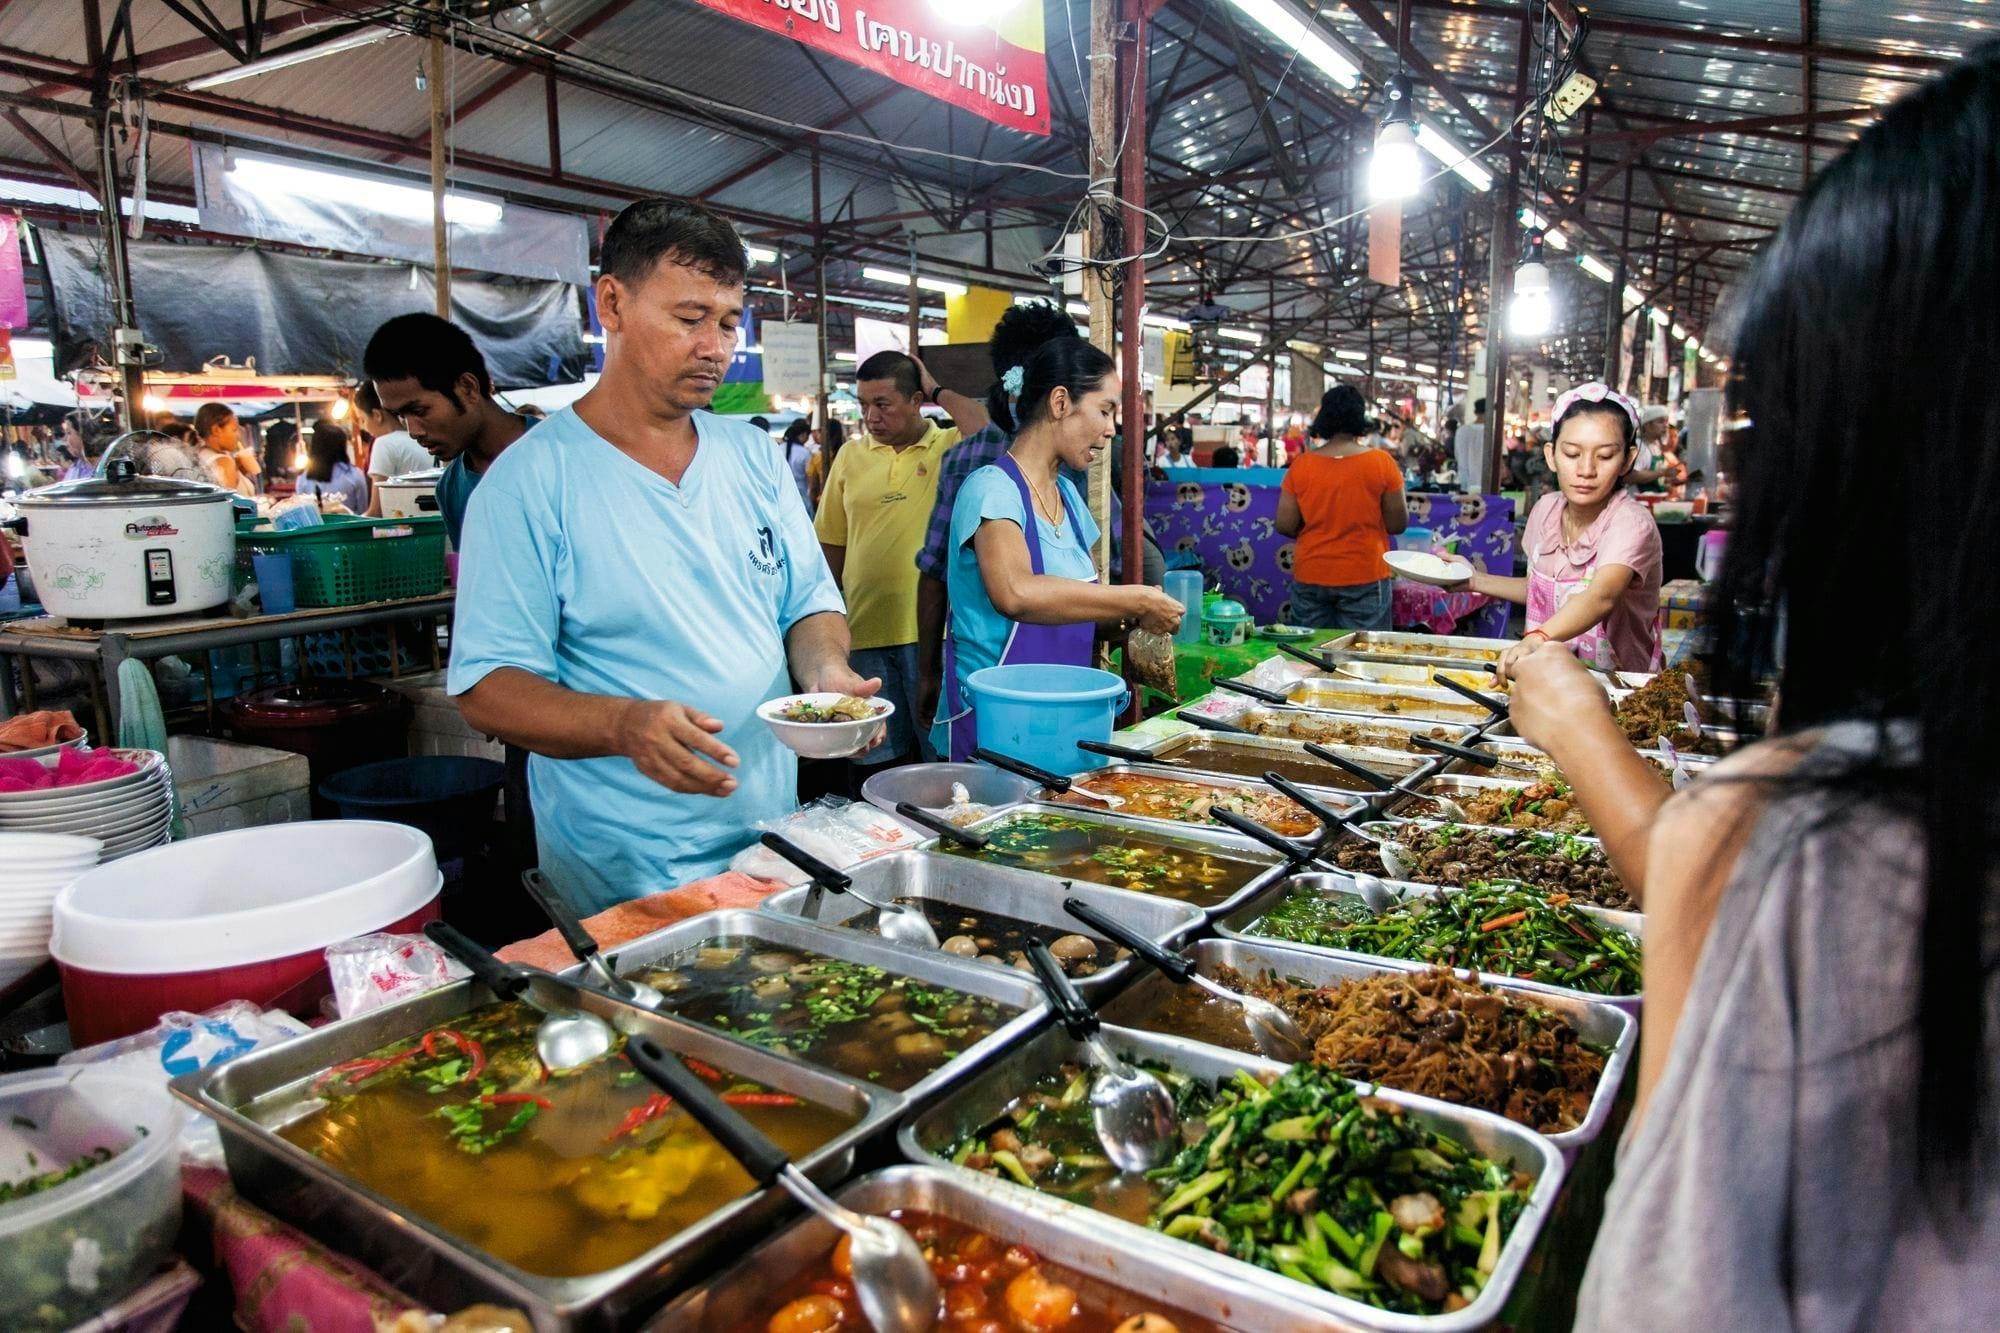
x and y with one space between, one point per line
1240 335
287 59
899 279
1294 31
1446 150
1595 267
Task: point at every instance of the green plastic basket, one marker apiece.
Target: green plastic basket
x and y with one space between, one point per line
352 561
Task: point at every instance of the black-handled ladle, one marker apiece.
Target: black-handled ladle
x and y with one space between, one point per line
1060 784
1195 719
565 1038
1257 692
892 1280
1124 753
1390 851
1274 1031
1306 655
944 828
1469 754
1497 707
1132 1111
1385 785
898 923
584 945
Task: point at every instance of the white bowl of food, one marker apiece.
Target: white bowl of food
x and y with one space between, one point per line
827 725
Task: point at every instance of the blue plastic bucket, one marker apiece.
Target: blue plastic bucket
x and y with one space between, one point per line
1035 712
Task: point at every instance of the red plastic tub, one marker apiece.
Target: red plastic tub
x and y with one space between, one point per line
244 915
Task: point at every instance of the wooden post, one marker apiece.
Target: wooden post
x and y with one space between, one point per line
440 238
1096 281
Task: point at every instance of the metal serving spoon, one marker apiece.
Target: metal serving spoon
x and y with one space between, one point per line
1471 755
1274 1031
899 923
1055 782
584 946
1387 786
565 1038
1391 852
1132 1111
897 1291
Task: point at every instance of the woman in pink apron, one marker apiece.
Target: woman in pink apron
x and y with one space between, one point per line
1593 551
1021 581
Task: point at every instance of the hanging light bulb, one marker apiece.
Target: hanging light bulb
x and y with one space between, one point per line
1395 170
1532 311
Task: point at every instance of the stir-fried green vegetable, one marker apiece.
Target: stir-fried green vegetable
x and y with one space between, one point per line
11 1190
1497 927
1302 1177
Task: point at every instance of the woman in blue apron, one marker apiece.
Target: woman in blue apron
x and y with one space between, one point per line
1027 591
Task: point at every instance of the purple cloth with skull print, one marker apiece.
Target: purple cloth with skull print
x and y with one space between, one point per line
1228 518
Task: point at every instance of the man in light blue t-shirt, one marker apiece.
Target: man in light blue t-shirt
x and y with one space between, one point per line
637 577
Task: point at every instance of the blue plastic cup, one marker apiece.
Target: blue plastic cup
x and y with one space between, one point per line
1184 585
273 573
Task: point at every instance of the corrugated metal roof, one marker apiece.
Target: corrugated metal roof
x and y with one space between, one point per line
1689 61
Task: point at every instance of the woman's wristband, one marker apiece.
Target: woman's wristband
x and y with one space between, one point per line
1531 633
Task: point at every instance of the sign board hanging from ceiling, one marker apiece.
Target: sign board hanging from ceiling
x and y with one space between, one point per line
992 66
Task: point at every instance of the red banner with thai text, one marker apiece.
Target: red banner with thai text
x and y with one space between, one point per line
993 66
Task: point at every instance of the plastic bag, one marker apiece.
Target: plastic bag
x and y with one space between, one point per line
838 832
963 810
181 1043
370 971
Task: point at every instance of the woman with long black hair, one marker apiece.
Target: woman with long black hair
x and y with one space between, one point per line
1813 1144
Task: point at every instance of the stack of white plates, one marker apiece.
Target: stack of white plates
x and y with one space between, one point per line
127 814
80 743
33 868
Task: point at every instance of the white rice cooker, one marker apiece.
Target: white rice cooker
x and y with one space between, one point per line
413 495
125 547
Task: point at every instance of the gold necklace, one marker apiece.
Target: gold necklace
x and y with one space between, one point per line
1054 514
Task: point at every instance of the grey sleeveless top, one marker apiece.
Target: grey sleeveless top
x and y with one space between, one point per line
1772 1182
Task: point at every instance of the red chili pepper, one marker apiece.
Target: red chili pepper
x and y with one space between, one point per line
760 1099
652 1108
709 1072
472 1049
514 1099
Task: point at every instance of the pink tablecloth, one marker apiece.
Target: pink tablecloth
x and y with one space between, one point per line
1420 606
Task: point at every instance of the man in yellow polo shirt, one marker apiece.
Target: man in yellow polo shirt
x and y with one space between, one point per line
872 517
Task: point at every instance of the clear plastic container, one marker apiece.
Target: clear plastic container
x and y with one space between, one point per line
72 1250
928 786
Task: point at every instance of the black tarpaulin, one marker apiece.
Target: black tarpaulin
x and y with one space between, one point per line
298 314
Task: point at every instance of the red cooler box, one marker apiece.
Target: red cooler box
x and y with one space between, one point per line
243 915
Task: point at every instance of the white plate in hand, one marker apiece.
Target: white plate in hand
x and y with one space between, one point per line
1423 567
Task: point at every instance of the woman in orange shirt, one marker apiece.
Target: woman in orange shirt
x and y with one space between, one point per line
1343 501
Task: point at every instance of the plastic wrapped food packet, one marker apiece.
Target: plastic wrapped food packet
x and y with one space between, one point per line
181 1043
837 832
370 971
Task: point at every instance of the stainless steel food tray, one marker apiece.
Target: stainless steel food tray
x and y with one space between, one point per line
435 1266
738 1299
1381 896
1334 797
1631 922
1022 894
1356 647
790 932
1398 764
1199 838
1303 690
1602 1025
1247 714
982 1098
1456 787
